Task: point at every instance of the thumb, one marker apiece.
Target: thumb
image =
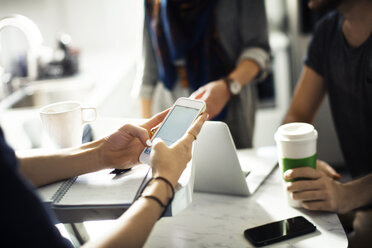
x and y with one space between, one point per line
333 174
329 171
137 132
158 143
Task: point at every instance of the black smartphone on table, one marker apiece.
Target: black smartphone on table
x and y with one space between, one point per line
277 231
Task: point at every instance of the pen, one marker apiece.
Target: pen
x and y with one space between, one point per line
120 171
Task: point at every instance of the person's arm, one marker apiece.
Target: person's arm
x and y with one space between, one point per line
357 192
119 150
252 64
245 72
216 94
146 104
150 74
44 168
134 226
307 97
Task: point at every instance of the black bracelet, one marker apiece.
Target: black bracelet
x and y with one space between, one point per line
154 198
167 182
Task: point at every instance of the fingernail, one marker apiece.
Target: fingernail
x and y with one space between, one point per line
148 142
286 174
207 116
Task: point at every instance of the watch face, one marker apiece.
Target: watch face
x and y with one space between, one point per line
235 87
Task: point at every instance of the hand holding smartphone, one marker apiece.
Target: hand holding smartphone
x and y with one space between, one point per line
182 114
278 231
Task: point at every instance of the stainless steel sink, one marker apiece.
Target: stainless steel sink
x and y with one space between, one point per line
40 93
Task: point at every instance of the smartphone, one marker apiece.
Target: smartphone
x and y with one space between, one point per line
182 114
278 231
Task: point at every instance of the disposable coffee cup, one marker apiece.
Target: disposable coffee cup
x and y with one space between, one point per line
296 146
64 121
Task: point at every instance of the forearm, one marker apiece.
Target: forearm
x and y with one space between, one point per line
134 226
146 107
41 169
307 97
293 117
295 114
245 72
357 193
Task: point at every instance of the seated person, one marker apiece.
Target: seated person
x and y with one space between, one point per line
28 224
339 63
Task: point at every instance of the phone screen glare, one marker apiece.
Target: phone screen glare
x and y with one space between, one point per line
175 126
280 230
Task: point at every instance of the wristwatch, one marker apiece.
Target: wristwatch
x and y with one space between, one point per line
234 86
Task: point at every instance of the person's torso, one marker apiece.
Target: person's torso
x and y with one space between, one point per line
348 77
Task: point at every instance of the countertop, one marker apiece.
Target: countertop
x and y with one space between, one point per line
213 220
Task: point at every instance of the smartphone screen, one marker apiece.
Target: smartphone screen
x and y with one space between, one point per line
175 126
279 230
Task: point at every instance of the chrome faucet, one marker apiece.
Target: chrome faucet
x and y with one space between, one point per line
33 37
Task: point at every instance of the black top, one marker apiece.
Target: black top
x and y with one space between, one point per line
347 73
25 222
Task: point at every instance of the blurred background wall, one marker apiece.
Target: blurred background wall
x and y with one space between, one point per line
114 27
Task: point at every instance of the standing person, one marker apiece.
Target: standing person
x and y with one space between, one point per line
339 63
214 50
26 222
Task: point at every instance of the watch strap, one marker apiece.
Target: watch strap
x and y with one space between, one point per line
229 81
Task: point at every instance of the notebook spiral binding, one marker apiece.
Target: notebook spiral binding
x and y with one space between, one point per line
62 190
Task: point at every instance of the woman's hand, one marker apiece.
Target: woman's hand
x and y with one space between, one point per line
215 94
122 149
169 162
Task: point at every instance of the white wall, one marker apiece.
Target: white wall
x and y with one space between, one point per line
98 24
107 32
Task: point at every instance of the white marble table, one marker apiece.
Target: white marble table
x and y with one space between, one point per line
213 220
219 221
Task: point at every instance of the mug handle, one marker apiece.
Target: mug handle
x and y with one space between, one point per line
84 113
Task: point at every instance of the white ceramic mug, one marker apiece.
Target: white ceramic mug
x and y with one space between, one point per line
296 145
63 122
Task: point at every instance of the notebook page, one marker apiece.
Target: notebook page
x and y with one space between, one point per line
103 188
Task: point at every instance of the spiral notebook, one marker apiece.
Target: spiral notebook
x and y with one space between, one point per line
96 189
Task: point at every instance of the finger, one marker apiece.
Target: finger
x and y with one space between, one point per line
303 185
191 132
301 172
209 106
198 123
310 195
332 172
316 205
137 132
198 93
155 120
210 116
